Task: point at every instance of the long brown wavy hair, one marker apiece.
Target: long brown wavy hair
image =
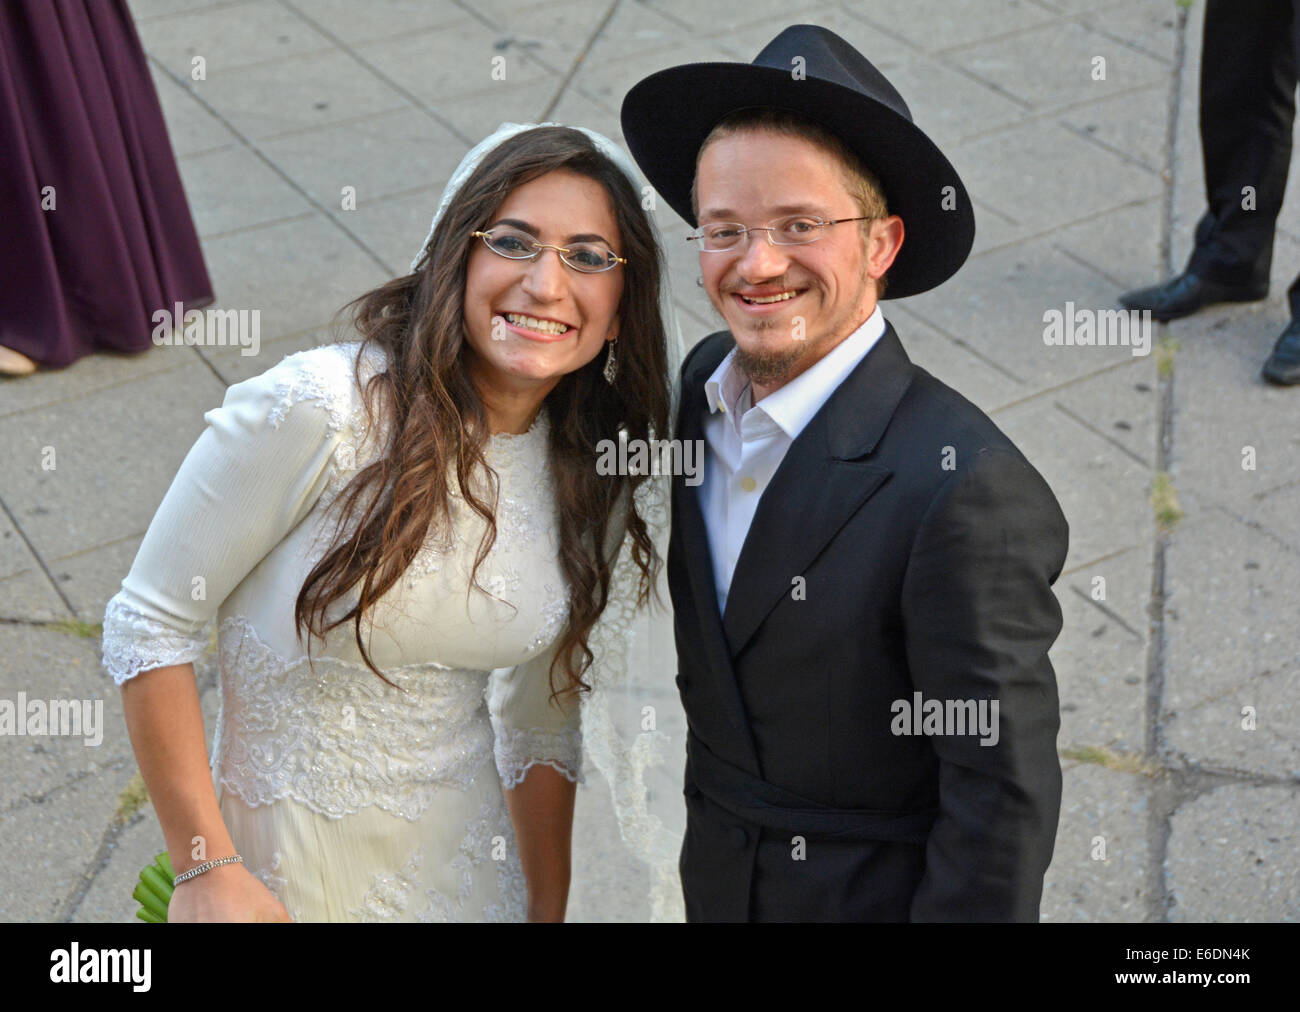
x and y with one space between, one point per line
436 418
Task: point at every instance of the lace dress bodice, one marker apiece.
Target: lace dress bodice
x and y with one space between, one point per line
248 516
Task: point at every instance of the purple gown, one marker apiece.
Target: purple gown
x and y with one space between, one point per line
78 112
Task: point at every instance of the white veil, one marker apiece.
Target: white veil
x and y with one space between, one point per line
632 722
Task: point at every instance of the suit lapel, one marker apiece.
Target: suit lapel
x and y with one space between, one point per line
689 518
822 481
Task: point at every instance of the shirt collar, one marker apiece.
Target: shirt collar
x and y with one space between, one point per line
792 406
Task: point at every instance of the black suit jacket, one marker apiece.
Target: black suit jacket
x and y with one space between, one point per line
927 546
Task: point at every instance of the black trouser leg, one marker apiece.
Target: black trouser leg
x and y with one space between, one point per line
1248 82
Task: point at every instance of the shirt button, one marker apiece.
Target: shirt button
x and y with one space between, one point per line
748 484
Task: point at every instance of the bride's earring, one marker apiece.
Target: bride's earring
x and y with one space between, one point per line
611 363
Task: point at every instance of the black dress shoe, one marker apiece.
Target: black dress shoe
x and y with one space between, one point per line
1185 294
1283 366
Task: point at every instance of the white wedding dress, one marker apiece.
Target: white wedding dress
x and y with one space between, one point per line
349 799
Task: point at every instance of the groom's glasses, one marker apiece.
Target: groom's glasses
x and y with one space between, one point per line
720 236
516 244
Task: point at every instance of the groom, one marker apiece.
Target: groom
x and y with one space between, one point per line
862 583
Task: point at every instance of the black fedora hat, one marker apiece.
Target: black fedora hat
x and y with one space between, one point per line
815 73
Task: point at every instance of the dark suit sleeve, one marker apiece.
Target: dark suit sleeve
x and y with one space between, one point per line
979 616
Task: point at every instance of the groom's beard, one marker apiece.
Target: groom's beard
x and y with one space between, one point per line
770 366
766 367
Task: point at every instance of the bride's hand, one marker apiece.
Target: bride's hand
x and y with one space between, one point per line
229 892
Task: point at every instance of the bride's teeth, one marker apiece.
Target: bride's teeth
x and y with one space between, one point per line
763 300
541 326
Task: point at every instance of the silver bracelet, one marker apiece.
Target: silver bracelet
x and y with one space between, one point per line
206 866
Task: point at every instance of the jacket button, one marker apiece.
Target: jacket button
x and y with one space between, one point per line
691 791
739 837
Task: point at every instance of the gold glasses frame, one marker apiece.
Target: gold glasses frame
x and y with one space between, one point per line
770 228
539 246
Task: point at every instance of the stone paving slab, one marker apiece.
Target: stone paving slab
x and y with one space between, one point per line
1116 245
230 189
1215 734
379 156
296 274
88 579
1132 124
1031 175
1041 66
108 899
110 466
50 663
1119 406
29 598
1101 656
86 376
384 224
938 25
228 37
998 304
1099 866
52 845
1148 26
192 128
344 20
1234 855
1102 492
954 360
233 366
15 556
1230 602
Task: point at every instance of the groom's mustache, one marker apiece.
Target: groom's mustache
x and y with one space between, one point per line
779 283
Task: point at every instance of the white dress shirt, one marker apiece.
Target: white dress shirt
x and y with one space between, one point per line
748 441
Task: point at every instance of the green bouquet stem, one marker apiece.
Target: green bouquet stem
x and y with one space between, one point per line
154 890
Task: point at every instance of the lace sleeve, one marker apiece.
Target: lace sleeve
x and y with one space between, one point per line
134 641
252 476
530 729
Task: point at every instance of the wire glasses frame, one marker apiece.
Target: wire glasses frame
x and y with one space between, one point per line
725 236
527 247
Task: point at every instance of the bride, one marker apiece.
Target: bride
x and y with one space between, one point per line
422 585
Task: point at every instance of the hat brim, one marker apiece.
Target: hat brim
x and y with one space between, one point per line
667 116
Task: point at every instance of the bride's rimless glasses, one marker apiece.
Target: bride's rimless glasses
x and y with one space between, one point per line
516 244
796 230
